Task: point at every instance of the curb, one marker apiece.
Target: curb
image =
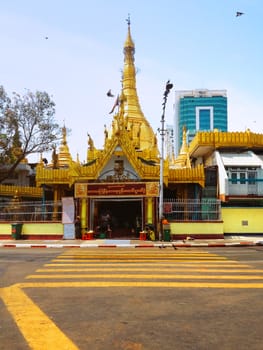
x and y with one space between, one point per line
154 245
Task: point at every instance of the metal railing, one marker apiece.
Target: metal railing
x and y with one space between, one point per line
16 211
192 210
49 211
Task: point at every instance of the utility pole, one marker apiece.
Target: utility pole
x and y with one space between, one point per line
162 132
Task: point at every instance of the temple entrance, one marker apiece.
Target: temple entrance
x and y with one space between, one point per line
123 216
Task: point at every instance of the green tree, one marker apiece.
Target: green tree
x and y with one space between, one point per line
27 126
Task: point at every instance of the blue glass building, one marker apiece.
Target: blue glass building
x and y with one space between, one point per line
199 110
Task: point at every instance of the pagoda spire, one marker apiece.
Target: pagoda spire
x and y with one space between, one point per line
132 108
183 159
142 133
64 156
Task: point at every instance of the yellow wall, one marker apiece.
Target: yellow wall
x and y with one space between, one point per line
235 220
46 229
34 229
197 228
5 229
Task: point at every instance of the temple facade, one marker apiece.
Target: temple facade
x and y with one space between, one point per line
212 188
122 179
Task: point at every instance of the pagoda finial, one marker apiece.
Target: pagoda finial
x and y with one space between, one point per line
129 44
128 20
64 135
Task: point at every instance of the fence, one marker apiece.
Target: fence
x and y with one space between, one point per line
174 210
31 211
192 210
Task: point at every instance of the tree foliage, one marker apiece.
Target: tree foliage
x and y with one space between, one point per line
27 126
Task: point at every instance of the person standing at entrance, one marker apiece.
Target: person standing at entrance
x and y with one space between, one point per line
105 222
138 226
77 228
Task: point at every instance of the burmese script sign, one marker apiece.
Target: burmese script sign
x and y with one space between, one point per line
131 189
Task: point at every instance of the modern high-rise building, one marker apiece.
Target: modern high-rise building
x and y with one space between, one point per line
199 109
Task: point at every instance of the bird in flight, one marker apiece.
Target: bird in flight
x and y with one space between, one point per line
110 94
238 14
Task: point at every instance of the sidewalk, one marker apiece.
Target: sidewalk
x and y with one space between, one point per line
126 243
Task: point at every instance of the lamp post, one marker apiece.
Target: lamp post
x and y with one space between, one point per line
162 132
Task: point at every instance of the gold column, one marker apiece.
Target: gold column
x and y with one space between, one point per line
149 210
87 215
83 215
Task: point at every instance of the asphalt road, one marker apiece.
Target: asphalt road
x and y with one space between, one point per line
121 298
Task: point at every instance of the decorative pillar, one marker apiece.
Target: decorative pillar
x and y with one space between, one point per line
83 215
55 208
149 210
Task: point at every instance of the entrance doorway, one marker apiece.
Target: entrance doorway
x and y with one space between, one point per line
125 216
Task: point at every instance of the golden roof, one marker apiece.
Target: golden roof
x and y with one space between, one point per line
205 142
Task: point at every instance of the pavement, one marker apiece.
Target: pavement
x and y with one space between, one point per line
229 241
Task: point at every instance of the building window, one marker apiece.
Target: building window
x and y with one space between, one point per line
252 178
204 118
234 178
242 178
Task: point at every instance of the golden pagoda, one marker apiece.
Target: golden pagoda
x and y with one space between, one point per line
123 177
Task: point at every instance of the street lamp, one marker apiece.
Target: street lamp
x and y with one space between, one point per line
162 132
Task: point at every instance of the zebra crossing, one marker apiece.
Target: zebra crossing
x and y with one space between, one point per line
166 268
117 268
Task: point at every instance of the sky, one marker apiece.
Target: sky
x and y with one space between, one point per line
73 50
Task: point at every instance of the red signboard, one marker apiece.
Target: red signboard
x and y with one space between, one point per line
131 189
